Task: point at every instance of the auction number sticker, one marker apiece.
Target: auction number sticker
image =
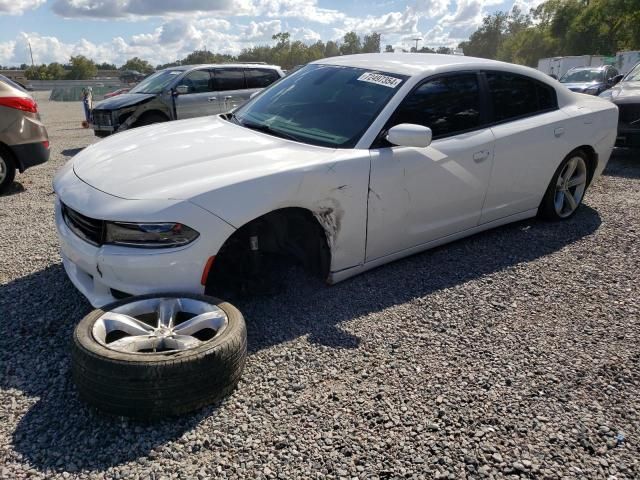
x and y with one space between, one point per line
380 79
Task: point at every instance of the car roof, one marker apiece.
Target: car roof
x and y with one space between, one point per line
601 67
221 65
416 63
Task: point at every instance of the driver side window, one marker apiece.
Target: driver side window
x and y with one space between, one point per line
198 81
448 105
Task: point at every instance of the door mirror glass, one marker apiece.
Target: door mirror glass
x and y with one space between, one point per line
410 135
615 80
182 89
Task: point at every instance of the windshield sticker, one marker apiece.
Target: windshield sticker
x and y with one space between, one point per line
379 79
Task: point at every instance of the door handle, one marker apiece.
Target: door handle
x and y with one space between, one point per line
480 156
212 99
228 98
558 132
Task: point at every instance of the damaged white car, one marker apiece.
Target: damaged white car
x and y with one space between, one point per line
345 165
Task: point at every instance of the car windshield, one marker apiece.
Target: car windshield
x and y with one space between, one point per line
325 105
157 82
582 76
633 75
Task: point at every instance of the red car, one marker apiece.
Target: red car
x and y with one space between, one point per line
116 92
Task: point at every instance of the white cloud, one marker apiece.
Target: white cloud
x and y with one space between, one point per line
18 7
125 8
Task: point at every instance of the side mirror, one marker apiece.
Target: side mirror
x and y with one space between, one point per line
410 135
615 80
182 89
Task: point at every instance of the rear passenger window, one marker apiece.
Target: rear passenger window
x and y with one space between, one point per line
229 79
447 105
260 77
514 96
198 81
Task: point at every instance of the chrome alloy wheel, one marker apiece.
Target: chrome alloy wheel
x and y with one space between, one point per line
159 325
570 187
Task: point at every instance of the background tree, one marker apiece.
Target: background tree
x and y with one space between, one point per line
138 65
106 66
331 49
388 49
82 68
352 44
371 43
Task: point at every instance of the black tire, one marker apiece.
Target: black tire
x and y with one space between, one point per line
149 119
547 208
153 385
8 168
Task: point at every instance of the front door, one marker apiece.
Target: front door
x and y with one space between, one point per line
418 195
201 99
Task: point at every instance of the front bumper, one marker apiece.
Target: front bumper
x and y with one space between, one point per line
103 273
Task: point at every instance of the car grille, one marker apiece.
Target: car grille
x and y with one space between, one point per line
89 229
101 117
629 114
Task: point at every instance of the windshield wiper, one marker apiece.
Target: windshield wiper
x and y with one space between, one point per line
267 129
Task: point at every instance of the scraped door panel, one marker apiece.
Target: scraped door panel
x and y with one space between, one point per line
422 194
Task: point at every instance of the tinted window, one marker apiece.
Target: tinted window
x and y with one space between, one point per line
157 82
515 96
446 105
321 104
260 77
198 81
229 79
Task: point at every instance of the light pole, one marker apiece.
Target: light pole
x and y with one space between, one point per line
416 40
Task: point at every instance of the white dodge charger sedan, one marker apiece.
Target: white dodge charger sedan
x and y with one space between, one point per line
345 165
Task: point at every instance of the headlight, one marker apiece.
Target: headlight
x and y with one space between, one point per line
149 235
592 90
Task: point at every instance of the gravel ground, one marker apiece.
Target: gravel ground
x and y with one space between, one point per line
511 353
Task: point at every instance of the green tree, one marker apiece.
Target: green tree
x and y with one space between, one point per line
106 66
371 43
55 71
352 44
138 65
82 68
444 50
331 49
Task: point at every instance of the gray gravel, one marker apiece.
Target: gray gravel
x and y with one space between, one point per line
512 353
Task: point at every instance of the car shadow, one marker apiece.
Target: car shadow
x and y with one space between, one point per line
624 164
71 152
38 314
13 189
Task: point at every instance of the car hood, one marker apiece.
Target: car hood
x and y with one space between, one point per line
626 92
123 100
182 159
581 85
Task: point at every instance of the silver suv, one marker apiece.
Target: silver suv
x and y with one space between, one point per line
182 92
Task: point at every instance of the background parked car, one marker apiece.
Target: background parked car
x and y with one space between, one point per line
23 137
120 91
182 92
626 95
590 80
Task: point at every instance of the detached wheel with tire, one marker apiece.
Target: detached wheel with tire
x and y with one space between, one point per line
159 355
567 188
7 170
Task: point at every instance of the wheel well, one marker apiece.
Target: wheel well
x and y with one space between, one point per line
150 113
293 233
592 160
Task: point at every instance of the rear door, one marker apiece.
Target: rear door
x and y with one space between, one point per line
259 78
530 132
201 99
230 86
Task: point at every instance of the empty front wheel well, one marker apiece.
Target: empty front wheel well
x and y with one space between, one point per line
290 233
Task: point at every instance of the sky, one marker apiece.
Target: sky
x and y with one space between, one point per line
162 31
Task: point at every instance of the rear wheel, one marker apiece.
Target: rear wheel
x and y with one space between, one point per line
7 170
567 188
